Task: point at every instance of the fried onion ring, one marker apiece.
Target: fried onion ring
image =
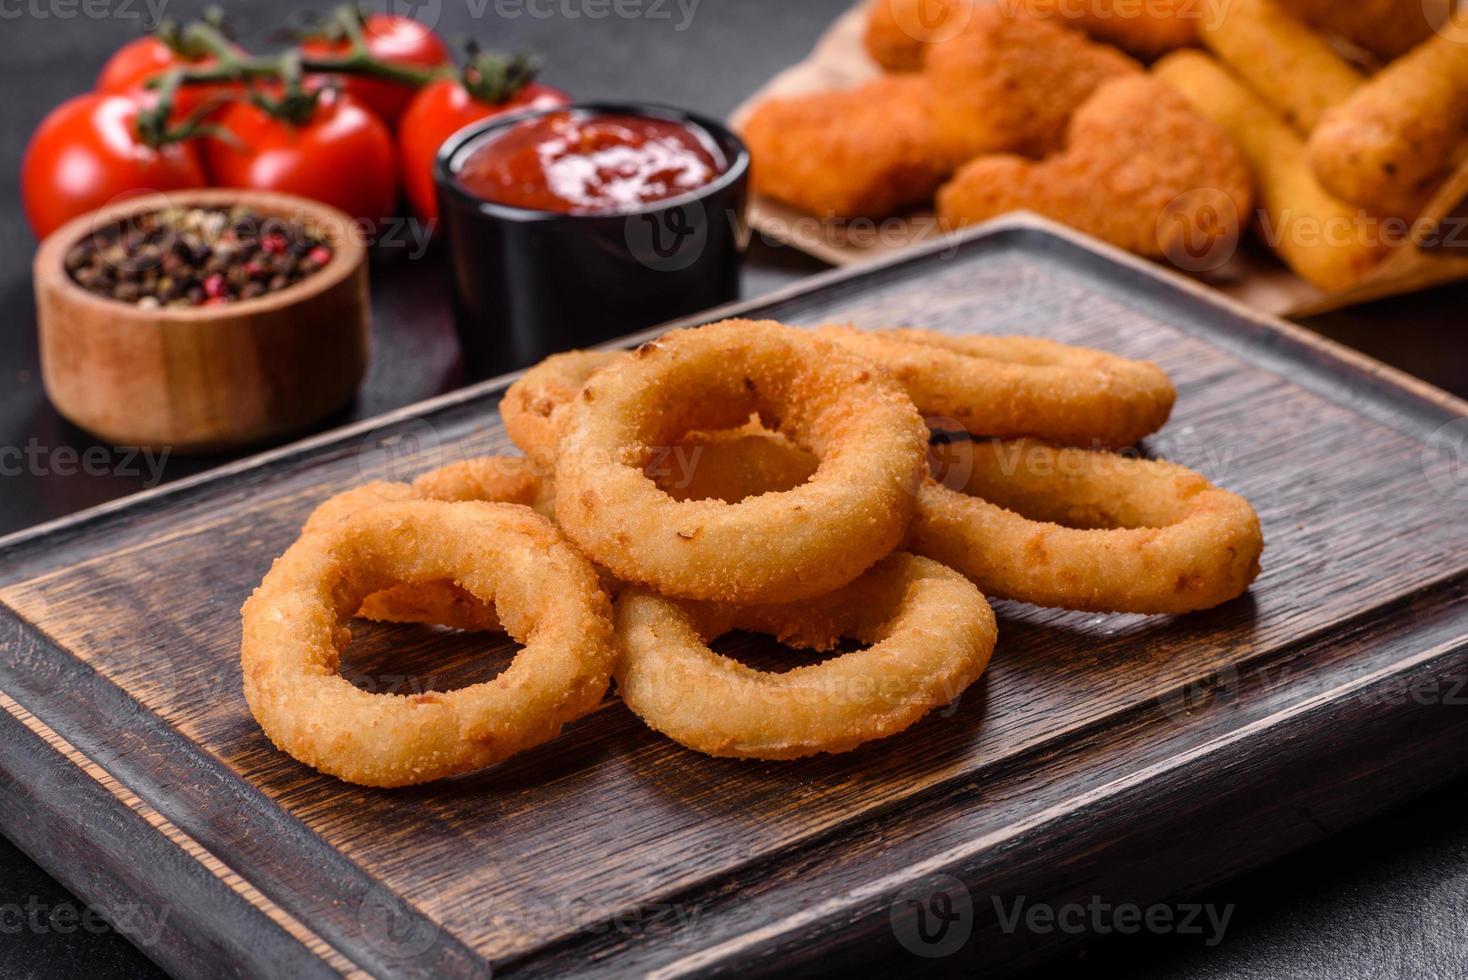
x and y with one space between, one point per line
929 635
546 595
492 479
1086 530
531 406
1020 386
731 465
775 547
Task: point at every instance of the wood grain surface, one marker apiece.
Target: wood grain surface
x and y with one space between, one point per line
1119 756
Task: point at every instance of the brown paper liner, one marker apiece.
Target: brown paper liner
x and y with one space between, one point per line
1254 277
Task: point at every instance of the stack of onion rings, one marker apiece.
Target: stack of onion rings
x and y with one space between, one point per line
546 596
744 475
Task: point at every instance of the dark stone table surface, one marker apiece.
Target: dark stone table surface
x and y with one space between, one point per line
1385 899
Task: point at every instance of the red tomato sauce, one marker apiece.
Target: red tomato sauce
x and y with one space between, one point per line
580 163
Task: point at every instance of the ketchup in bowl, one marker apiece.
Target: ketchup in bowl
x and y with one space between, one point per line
579 162
568 226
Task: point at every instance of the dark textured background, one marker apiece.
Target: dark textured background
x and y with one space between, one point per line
1386 899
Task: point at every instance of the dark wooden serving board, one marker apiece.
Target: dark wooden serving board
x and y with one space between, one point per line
1115 758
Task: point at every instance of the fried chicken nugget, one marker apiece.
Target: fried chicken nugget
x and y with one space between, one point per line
898 31
1290 66
1146 29
1386 28
1323 239
1141 168
863 152
1010 83
1392 143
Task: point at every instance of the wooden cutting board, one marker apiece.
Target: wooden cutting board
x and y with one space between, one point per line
1104 758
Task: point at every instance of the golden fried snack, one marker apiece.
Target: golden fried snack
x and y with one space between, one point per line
1391 144
1142 169
498 479
545 593
1146 29
1019 386
1086 530
1386 28
1009 83
529 406
863 152
732 465
493 479
775 547
1323 239
928 633
1290 66
899 31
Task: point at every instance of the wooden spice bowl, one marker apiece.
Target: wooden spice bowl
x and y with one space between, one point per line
205 379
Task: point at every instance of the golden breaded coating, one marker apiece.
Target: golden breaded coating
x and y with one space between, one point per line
1391 144
1386 28
863 152
1141 169
1290 66
1010 83
1323 239
1146 29
899 30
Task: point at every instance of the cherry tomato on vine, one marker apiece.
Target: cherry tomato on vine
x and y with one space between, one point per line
87 153
136 62
441 109
393 39
342 155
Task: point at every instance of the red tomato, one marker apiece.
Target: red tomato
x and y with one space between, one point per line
441 109
343 156
394 39
147 57
87 153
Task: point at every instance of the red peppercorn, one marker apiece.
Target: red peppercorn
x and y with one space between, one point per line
183 257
